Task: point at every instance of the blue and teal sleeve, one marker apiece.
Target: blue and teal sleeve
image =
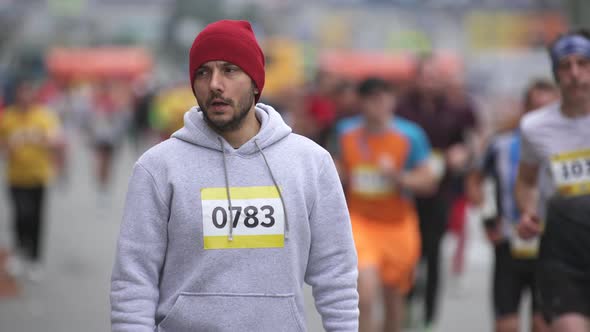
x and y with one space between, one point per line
419 145
341 127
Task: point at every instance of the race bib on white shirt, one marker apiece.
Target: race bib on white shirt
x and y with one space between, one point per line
571 172
367 180
258 218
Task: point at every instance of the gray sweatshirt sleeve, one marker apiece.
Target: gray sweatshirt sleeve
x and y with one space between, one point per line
140 254
332 266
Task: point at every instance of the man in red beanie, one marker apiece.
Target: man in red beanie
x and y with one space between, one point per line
227 219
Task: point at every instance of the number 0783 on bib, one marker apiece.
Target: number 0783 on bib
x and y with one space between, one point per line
256 215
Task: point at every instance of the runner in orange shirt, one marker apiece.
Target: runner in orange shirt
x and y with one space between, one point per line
381 166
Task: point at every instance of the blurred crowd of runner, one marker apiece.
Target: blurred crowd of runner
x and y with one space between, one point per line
440 125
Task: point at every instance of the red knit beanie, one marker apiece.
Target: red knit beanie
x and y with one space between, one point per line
231 41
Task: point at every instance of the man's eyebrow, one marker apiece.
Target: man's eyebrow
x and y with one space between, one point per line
221 64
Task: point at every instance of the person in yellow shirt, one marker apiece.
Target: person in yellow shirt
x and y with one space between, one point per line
29 136
167 113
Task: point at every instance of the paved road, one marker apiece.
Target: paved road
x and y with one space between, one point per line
80 244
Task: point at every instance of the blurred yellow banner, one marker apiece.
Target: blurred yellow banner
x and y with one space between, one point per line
284 65
508 30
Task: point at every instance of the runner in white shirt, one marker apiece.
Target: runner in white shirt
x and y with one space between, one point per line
556 141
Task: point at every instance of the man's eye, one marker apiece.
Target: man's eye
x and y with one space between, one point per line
231 69
201 73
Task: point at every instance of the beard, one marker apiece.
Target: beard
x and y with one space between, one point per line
242 107
577 93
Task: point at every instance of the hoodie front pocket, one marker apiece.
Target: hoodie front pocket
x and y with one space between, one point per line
211 312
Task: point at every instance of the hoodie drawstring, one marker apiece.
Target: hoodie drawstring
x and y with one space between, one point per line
230 236
277 187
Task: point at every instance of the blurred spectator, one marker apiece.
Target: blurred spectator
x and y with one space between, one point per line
144 93
539 93
295 112
458 100
29 136
107 125
347 102
320 105
514 263
346 99
447 123
168 108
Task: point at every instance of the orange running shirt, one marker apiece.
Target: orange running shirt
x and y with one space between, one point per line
369 193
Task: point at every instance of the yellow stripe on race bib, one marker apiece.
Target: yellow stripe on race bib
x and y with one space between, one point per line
571 155
239 193
575 189
244 241
256 216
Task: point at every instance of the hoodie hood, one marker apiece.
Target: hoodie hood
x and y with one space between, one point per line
272 129
196 131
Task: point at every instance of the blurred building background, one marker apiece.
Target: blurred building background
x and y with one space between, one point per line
485 39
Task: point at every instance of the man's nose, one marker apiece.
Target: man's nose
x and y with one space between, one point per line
216 83
575 70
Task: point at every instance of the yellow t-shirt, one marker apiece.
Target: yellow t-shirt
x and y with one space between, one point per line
170 107
31 161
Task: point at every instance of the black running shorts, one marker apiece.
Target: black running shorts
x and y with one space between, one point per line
512 276
564 264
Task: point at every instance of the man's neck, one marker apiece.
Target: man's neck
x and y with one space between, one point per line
376 127
571 109
249 129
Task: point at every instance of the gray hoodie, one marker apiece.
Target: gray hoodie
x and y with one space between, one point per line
181 267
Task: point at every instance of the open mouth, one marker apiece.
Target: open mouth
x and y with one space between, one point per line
218 103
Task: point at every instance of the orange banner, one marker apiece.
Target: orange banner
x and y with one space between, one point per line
100 62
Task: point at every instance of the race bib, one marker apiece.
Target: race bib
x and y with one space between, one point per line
521 248
258 218
571 172
367 180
